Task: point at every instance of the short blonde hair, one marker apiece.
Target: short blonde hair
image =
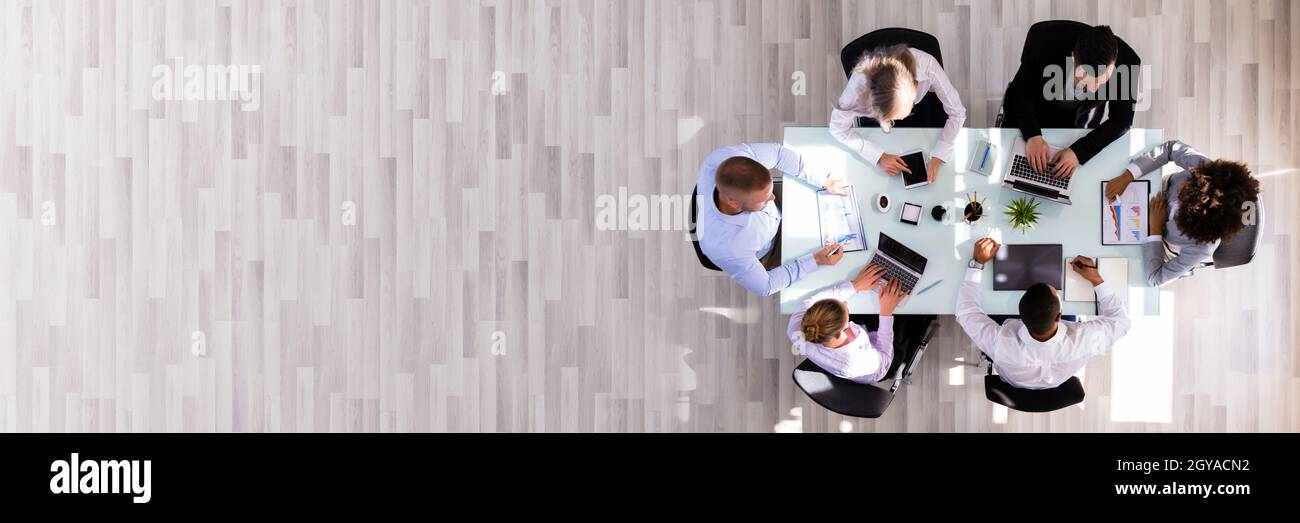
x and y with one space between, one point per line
823 320
891 78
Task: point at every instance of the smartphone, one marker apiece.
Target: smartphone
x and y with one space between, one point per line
919 176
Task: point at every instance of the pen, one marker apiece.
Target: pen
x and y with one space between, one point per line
927 287
1082 265
986 155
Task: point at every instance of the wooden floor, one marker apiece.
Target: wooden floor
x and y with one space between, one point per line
403 236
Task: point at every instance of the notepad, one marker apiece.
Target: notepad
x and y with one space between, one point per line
840 220
1113 270
1124 221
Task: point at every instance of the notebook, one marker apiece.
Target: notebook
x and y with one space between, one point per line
1113 270
1124 221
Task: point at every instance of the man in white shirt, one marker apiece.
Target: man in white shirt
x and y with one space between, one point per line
1039 350
738 220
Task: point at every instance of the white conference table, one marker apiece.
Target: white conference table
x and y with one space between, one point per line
947 245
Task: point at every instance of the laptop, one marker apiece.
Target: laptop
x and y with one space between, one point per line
901 263
1020 177
1018 266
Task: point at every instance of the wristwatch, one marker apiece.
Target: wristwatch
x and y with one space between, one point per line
975 265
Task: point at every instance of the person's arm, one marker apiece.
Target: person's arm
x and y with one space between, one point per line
789 162
1022 96
750 274
1118 122
882 344
1153 159
1114 321
943 88
1160 271
844 119
981 329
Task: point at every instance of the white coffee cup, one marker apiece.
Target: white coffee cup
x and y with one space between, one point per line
883 202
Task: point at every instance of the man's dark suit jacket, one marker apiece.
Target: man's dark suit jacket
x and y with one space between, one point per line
1028 108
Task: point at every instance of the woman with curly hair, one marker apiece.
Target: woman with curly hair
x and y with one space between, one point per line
821 330
1202 206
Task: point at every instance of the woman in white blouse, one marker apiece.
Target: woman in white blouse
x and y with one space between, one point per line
886 85
821 330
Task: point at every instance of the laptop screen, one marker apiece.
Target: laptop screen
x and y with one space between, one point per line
901 253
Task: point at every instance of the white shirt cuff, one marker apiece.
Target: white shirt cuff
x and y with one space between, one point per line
1133 168
974 275
1153 238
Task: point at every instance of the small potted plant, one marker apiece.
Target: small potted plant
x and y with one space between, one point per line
1023 213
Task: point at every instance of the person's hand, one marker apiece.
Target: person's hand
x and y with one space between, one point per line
1036 150
1157 213
829 255
1086 267
934 166
984 250
868 277
1117 185
1064 163
893 164
890 296
836 186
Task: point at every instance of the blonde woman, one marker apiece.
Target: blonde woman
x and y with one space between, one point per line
885 86
821 330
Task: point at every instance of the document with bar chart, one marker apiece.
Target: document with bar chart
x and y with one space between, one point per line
1124 221
840 220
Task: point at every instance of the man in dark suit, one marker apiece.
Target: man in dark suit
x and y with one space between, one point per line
1071 75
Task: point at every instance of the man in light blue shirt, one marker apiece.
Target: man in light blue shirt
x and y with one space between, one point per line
739 223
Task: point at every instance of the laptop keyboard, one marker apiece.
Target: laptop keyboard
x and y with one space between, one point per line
1020 168
893 272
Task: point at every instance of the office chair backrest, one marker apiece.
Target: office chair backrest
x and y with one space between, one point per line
841 396
1240 249
852 53
1027 400
1054 26
695 241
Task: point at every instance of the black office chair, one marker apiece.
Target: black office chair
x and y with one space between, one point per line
858 400
928 113
695 240
1049 26
1030 400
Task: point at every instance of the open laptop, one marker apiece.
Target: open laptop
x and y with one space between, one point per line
900 263
1020 177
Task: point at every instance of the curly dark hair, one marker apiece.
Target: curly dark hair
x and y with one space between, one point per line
1211 203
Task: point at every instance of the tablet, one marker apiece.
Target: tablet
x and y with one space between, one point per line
915 161
1018 266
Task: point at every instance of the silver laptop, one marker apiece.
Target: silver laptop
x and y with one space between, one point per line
1020 177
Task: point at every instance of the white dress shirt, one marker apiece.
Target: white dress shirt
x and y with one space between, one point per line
865 359
1027 363
929 77
736 243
